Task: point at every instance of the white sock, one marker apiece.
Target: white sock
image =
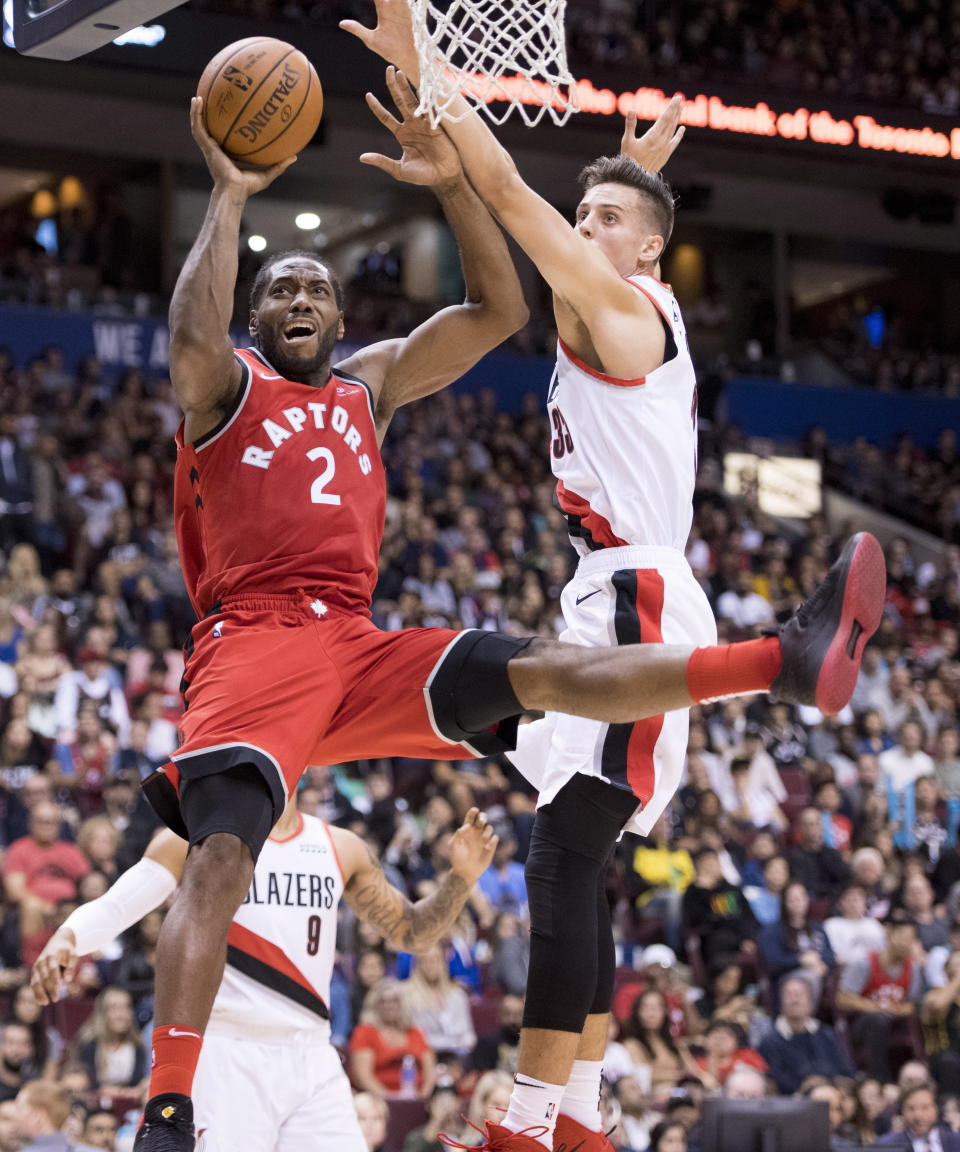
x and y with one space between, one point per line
534 1104
581 1097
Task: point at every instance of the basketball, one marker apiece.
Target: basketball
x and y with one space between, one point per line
262 100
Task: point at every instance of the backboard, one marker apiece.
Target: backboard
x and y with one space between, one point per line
66 29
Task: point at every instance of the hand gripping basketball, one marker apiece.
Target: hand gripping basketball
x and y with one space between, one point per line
223 170
429 157
472 846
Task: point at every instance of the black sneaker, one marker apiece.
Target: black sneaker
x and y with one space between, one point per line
167 1125
823 642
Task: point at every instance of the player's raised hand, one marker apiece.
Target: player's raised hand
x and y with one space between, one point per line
392 38
56 965
654 148
472 846
223 170
429 157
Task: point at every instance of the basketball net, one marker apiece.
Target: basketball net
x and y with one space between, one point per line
499 54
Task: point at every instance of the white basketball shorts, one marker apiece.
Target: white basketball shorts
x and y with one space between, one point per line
286 1095
631 595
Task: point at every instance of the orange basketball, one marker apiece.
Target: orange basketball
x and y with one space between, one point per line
262 100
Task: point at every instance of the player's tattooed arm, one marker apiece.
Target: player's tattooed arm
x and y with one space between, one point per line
415 926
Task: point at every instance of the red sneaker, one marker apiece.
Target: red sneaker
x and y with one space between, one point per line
499 1139
823 641
571 1136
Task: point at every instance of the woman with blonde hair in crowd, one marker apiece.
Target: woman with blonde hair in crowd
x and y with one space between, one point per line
109 1045
99 841
384 1044
25 575
439 1007
374 1115
39 668
489 1103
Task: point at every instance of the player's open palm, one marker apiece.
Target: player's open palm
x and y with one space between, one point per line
56 965
472 846
429 157
392 38
654 148
223 170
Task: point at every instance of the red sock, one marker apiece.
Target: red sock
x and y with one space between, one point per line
175 1055
733 669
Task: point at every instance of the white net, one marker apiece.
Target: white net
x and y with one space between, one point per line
499 54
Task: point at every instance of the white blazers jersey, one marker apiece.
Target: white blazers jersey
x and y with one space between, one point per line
624 452
281 944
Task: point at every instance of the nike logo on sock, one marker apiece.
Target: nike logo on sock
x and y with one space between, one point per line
580 599
177 1032
527 1084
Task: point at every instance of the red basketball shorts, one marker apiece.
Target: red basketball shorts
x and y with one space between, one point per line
285 682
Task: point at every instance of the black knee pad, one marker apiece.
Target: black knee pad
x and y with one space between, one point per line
471 696
237 801
587 815
572 961
562 895
606 949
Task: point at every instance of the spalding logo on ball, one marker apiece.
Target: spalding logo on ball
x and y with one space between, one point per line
262 100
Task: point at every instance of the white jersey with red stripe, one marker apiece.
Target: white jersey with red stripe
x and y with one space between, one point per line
282 942
624 452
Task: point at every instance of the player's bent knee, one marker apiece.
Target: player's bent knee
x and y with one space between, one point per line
471 693
229 813
218 868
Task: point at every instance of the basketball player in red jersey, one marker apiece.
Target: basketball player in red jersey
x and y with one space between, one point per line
622 403
279 507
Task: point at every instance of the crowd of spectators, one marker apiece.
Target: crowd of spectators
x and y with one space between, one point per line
791 924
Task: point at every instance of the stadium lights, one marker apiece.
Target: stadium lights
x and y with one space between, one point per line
307 221
256 242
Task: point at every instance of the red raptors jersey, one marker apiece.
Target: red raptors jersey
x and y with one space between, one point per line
287 493
882 987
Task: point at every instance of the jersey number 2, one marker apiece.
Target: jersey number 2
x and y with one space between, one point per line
317 494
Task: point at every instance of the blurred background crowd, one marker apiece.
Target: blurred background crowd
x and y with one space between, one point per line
792 924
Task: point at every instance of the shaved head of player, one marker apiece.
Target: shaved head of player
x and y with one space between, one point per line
296 316
627 212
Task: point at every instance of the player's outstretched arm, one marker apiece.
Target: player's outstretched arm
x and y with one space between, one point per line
92 926
440 350
407 926
654 148
203 369
577 271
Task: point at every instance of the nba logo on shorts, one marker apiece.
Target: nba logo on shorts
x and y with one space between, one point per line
548 1115
218 630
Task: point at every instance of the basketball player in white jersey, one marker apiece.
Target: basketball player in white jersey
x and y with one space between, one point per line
623 412
268 1078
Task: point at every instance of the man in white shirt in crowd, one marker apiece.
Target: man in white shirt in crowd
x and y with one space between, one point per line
906 762
852 933
743 607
